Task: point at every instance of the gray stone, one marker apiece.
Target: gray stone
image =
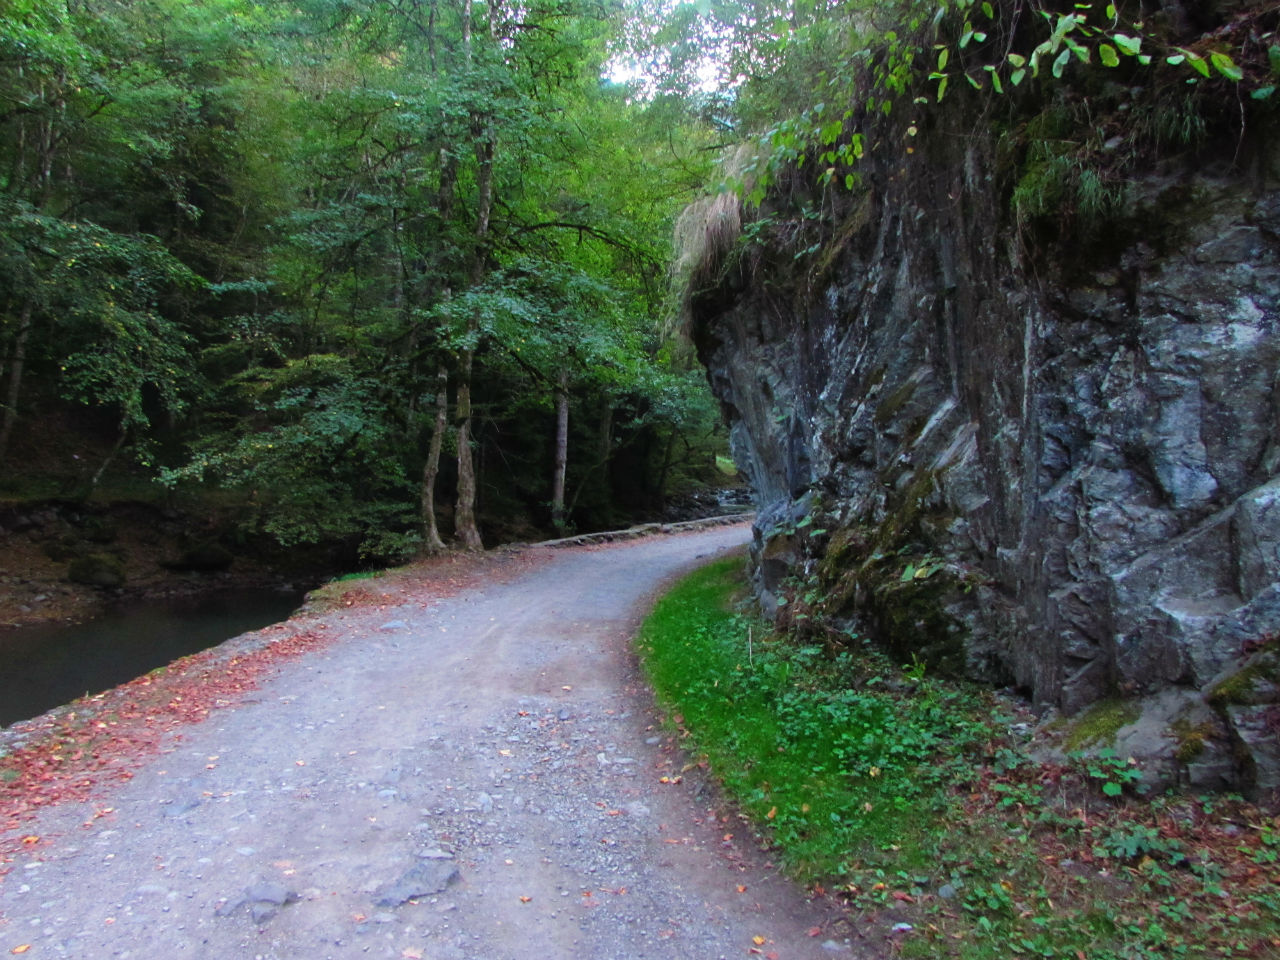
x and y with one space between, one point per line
1087 460
393 625
270 892
426 878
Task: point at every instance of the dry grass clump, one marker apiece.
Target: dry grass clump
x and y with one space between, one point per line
708 230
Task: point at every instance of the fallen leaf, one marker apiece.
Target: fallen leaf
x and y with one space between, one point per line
773 812
21 948
31 839
815 931
741 888
904 897
411 953
758 940
525 899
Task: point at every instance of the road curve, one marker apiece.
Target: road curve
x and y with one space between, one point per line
479 777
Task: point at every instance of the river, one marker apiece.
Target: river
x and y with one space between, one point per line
44 666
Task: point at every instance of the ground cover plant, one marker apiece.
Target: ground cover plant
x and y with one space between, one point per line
919 803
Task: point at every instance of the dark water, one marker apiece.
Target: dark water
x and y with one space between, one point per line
44 666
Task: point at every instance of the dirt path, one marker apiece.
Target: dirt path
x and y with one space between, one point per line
479 777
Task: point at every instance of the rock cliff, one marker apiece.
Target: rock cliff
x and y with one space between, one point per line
1040 451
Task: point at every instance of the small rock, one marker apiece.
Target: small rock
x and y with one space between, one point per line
262 912
428 877
484 802
391 625
902 928
946 891
831 946
270 892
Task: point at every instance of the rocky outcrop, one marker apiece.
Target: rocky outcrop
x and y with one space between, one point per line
1053 465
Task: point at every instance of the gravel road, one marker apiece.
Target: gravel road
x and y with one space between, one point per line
478 777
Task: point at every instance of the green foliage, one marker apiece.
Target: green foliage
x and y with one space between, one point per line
251 234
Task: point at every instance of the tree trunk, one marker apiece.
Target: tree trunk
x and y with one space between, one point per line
464 520
604 451
115 450
432 542
465 514
562 453
15 378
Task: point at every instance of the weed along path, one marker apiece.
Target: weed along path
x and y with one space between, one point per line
478 775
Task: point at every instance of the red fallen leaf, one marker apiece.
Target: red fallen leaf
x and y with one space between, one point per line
815 931
771 955
904 897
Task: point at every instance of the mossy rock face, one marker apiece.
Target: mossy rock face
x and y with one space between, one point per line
97 570
61 549
1098 726
1255 683
209 557
101 530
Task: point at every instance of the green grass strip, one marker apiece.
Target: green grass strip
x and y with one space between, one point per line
908 796
822 749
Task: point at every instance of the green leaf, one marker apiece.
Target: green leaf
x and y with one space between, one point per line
942 88
1127 44
1262 93
1111 11
944 55
1060 64
1176 59
1017 60
988 11
1108 55
1196 61
1112 789
1144 59
1273 56
1226 66
1017 76
966 36
976 84
908 574
995 78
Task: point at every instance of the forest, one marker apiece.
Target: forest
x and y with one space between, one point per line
384 274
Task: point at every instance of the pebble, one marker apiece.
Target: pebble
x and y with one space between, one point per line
946 891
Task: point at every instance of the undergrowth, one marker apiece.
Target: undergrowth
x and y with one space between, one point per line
914 800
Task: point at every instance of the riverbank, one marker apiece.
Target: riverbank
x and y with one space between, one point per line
65 560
